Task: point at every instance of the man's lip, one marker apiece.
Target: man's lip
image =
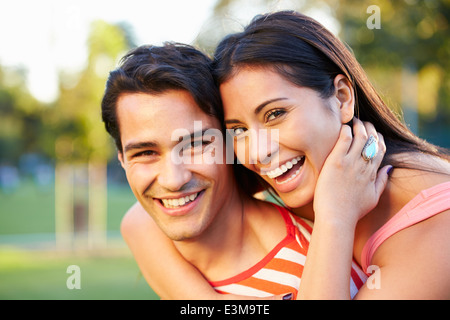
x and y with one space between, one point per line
177 196
182 210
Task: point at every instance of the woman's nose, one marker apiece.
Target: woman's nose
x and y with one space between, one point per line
264 147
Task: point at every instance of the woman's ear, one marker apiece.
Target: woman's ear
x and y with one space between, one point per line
345 94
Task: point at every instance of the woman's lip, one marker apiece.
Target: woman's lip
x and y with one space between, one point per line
268 171
289 175
289 185
181 210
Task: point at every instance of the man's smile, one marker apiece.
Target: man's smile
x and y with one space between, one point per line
178 202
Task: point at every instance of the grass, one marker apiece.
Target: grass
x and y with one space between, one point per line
28 275
27 217
27 210
32 210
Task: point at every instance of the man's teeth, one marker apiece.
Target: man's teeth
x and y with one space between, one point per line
174 203
284 168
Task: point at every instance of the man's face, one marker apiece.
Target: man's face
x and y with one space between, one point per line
183 197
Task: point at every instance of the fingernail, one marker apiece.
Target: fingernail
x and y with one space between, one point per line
288 296
389 171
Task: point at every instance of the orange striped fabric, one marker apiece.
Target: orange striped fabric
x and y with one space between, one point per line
280 271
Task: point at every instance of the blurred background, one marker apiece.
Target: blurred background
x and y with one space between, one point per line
62 190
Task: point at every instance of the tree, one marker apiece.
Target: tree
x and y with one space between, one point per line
82 139
407 57
20 117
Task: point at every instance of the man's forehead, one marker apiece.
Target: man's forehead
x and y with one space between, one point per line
146 117
173 104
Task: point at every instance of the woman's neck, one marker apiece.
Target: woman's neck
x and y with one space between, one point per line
306 211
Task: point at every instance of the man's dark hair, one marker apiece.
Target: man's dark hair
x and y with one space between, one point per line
156 69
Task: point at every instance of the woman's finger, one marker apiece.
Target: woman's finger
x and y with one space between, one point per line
360 136
382 179
344 142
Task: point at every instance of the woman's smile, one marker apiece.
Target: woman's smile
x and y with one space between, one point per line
260 103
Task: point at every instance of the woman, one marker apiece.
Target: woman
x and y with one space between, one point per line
286 72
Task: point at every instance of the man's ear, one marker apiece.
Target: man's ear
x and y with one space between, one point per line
120 157
346 96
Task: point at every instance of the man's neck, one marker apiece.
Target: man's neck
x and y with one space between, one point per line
222 241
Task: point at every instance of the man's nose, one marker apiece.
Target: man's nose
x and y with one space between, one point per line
173 176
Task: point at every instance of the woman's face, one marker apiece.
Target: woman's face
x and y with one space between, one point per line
282 131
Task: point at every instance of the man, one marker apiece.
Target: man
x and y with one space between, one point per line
152 107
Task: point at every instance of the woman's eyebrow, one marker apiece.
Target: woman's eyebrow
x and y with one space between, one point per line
230 121
265 103
257 110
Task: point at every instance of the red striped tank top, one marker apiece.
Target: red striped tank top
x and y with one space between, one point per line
280 271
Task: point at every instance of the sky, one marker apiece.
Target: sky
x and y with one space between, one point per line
45 36
48 36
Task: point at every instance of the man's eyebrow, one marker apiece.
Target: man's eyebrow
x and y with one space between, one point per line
193 135
257 110
139 145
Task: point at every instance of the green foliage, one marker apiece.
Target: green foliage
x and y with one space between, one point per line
20 117
70 129
77 118
413 35
413 38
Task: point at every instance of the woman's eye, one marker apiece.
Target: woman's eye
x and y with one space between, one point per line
237 131
273 114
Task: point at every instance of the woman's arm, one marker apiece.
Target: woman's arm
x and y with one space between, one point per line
165 270
412 264
348 188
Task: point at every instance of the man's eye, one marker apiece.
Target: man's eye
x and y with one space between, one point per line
196 147
146 153
198 143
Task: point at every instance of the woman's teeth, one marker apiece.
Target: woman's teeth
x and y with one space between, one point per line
175 203
283 169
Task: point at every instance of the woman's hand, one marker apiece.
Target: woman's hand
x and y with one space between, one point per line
348 186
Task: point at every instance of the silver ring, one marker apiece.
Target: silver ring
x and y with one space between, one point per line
370 149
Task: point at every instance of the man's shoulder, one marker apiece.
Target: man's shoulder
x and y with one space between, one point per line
134 219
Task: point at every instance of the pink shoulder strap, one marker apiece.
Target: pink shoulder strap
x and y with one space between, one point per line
426 204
